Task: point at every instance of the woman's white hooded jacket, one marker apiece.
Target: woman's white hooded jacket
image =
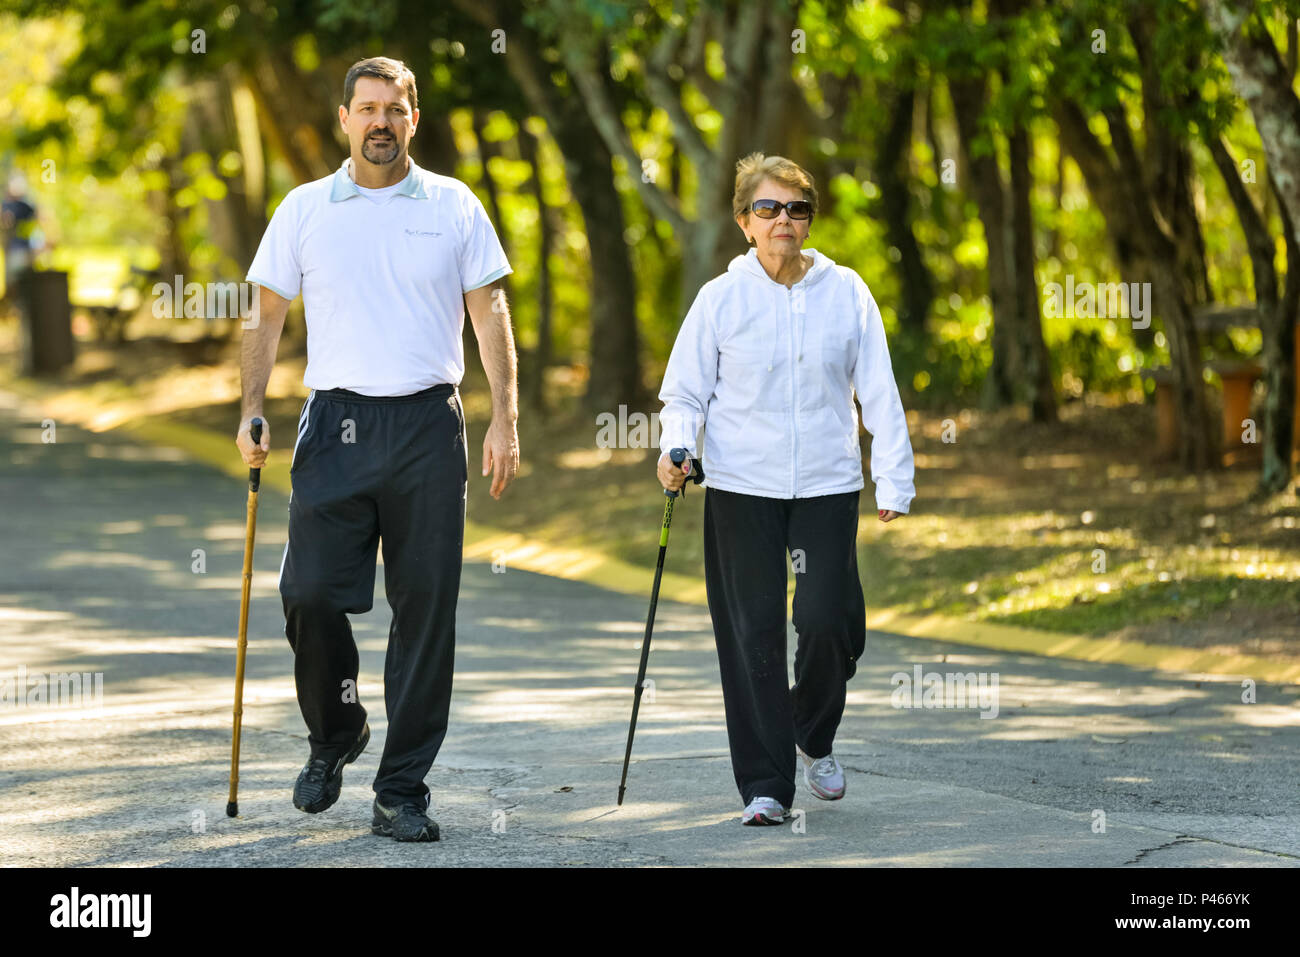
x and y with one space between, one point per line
770 373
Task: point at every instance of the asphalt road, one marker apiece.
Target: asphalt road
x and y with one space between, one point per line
98 574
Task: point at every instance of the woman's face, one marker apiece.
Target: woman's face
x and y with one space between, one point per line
781 237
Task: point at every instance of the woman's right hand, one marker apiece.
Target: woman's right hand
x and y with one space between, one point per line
670 476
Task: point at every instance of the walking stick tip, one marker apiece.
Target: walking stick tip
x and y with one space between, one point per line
232 809
621 789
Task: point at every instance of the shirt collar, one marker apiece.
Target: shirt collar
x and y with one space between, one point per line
415 184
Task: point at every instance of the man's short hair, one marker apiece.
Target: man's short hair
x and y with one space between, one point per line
381 68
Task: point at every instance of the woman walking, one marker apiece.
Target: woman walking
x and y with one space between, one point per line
768 360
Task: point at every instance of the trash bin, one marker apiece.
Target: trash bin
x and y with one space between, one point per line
46 321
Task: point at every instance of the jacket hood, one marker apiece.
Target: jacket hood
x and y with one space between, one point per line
748 264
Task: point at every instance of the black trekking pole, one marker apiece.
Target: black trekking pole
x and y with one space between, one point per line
678 456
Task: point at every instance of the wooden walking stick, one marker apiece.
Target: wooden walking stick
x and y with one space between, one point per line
250 530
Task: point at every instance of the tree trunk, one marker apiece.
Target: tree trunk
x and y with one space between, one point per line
1266 84
893 151
1261 79
486 152
1279 331
234 224
295 117
614 349
1166 165
1144 248
1036 386
543 357
432 145
985 185
174 256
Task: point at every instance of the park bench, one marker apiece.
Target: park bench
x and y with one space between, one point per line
111 304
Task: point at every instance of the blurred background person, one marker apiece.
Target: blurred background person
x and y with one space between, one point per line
21 231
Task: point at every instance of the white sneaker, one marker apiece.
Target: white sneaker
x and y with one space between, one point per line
764 810
824 776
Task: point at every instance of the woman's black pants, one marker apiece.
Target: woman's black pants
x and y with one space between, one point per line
746 542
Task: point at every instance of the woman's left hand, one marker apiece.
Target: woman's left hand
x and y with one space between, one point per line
887 514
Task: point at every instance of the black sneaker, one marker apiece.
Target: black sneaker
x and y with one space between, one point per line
320 782
405 823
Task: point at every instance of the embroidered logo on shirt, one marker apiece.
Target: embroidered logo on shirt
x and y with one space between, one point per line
421 232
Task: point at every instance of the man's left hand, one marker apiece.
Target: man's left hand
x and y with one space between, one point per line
501 453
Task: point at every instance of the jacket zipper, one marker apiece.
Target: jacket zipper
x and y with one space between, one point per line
794 392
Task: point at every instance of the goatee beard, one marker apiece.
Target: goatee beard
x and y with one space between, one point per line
380 155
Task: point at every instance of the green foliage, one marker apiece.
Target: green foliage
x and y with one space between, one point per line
103 89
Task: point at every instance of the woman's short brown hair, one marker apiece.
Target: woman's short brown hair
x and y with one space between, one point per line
756 167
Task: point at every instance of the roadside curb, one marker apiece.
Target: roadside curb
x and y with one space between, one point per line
1053 644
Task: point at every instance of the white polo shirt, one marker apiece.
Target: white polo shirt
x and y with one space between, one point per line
381 277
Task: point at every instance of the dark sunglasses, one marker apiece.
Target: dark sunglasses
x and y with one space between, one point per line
770 209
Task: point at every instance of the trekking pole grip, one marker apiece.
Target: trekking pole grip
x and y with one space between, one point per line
677 457
255 475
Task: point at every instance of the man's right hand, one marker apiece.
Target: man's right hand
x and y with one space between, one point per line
670 476
254 455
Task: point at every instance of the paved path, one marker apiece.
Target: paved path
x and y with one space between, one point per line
96 554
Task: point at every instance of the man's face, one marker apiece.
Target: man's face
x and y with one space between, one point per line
379 121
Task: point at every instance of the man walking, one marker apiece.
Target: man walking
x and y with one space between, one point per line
388 257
